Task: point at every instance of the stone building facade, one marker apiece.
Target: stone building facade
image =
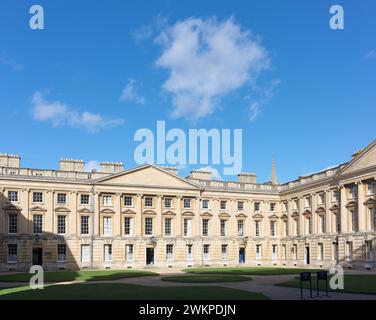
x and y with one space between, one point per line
150 217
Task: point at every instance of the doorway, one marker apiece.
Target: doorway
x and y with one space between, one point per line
37 256
149 256
307 256
241 255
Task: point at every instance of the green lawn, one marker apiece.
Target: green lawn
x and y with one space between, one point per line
353 283
204 278
249 271
86 275
117 291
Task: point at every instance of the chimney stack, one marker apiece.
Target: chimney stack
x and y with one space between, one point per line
9 160
72 165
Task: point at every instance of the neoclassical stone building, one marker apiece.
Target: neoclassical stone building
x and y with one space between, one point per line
151 217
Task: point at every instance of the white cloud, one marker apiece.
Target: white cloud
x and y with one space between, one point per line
60 114
11 63
207 60
92 165
371 54
129 93
215 173
260 97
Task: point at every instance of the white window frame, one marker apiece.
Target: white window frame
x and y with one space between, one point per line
223 205
37 197
37 223
206 252
148 226
61 253
128 201
223 227
61 225
13 196
187 227
205 227
12 251
168 226
224 253
257 228
240 227
274 252
84 225
273 229
189 252
168 202
107 200
187 203
83 198
61 198
107 226
169 252
85 253
12 223
107 253
128 226
129 252
258 251
148 202
205 204
240 205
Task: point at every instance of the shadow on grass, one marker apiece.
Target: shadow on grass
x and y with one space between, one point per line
84 275
118 291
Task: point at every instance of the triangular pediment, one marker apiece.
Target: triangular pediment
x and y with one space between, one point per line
37 208
148 175
129 211
365 158
85 210
11 206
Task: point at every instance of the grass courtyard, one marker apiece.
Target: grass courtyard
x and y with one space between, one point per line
206 278
119 291
265 271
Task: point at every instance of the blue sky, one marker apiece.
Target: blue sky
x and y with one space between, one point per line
101 70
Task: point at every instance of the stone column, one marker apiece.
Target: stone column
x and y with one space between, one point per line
314 217
138 223
328 213
362 213
343 209
96 213
117 217
158 218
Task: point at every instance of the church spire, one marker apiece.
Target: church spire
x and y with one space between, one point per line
274 179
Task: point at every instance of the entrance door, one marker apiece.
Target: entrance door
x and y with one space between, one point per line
149 256
241 255
307 256
37 256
